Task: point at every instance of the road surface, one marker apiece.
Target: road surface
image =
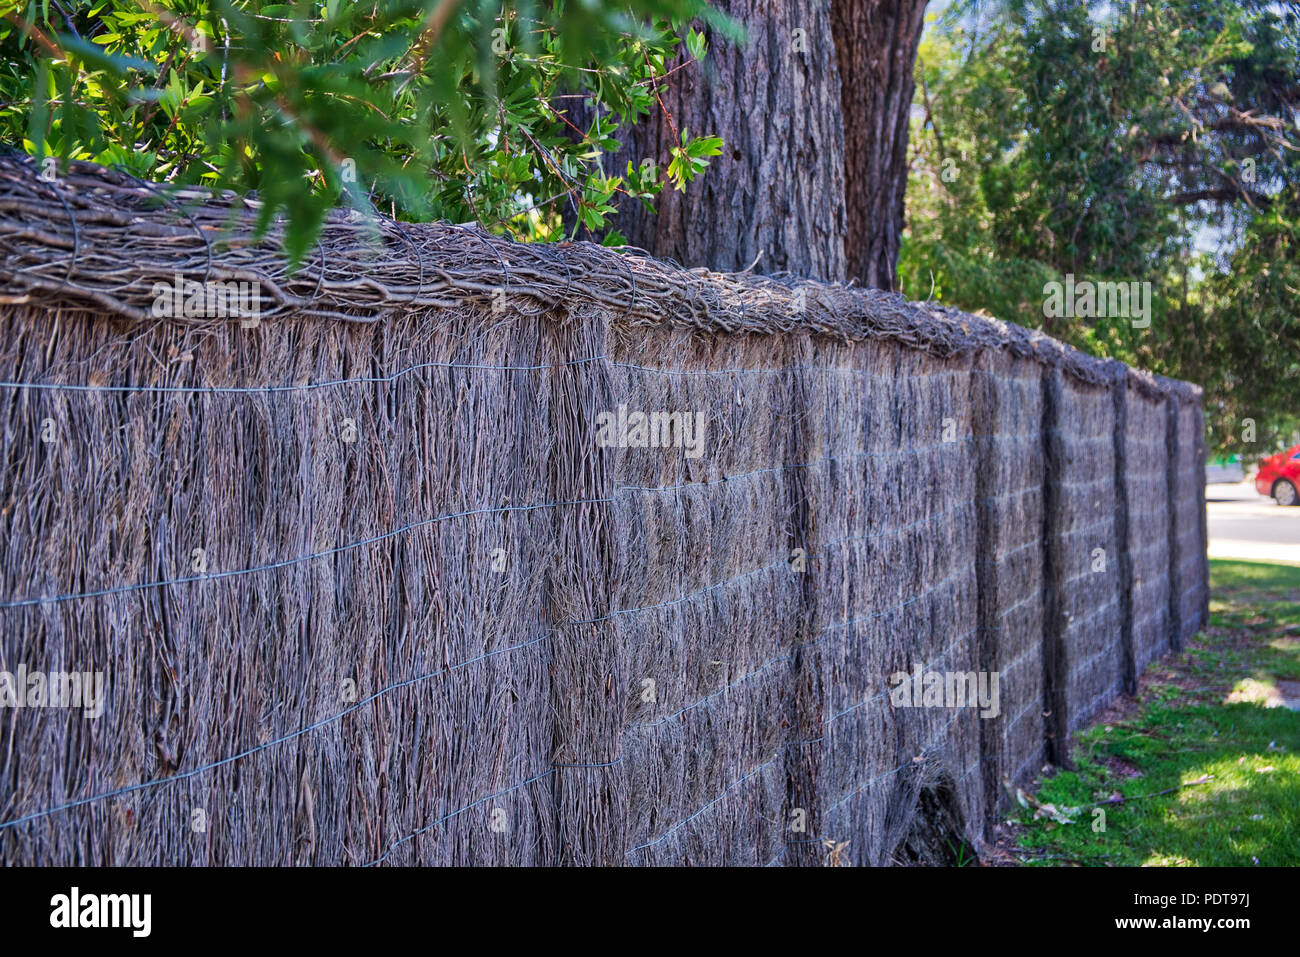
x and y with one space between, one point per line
1244 524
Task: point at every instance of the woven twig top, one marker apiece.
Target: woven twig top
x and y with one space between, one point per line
98 240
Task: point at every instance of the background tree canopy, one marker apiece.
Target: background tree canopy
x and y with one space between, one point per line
426 109
1123 142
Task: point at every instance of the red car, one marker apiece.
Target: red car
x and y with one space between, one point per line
1279 476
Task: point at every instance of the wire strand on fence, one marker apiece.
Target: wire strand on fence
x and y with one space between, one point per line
412 526
374 539
460 810
410 681
821 636
756 769
284 563
459 366
274 742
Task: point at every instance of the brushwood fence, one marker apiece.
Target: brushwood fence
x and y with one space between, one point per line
366 588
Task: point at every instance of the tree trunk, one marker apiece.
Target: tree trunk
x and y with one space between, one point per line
875 43
813 171
775 194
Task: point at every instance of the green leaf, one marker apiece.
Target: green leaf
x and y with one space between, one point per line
115 64
696 44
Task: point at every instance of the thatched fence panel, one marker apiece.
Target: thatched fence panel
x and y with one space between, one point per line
1149 519
710 608
1084 641
283 557
1008 397
391 576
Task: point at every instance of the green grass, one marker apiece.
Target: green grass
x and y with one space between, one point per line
1201 716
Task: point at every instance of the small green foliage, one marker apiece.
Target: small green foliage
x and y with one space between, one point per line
691 158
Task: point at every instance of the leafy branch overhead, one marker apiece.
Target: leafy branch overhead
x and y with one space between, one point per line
422 109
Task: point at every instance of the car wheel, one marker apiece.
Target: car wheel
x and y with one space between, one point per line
1284 493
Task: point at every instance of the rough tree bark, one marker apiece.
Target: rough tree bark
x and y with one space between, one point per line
876 43
812 176
775 194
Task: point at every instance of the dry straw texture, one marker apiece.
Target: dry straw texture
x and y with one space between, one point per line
1147 487
433 620
1085 650
1008 399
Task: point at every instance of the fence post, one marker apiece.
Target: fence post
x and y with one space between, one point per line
1119 397
804 786
984 419
1175 557
1055 673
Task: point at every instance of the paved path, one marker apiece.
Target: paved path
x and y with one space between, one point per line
1244 524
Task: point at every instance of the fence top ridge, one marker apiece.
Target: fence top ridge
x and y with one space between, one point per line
99 240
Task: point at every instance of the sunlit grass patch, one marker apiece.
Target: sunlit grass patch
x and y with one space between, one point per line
1206 769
